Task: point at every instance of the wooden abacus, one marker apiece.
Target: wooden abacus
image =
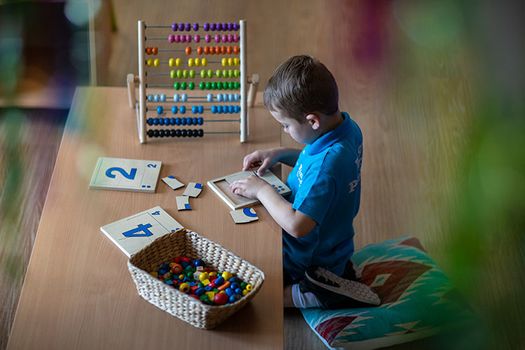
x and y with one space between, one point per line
219 103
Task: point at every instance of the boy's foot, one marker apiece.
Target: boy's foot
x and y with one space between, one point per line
336 292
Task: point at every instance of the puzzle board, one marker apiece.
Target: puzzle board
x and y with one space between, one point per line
221 186
125 174
135 232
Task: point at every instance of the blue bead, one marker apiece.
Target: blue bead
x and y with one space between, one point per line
198 262
219 97
162 98
188 121
229 291
166 121
155 121
193 109
156 98
200 120
237 109
209 97
184 97
238 291
177 121
182 109
183 121
150 98
150 121
172 121
234 298
230 97
208 288
174 109
161 121
160 109
175 97
162 271
201 109
214 109
219 281
199 291
234 284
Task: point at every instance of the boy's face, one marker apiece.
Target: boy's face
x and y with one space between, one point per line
301 132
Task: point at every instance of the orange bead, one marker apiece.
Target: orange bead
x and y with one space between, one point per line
229 50
236 49
206 50
188 50
217 50
155 50
148 50
223 50
199 50
224 286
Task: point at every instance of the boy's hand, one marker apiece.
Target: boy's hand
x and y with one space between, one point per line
262 159
248 187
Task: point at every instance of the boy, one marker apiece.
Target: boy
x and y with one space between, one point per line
302 96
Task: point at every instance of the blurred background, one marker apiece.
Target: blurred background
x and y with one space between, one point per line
436 86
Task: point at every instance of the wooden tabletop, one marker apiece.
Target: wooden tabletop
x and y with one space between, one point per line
78 293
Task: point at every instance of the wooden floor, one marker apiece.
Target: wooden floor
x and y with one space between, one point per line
412 105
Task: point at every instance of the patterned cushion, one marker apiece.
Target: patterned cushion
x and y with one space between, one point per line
417 300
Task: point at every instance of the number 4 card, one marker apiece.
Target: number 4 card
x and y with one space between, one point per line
126 174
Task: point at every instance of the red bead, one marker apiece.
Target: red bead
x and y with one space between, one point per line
220 298
148 50
185 259
155 50
177 260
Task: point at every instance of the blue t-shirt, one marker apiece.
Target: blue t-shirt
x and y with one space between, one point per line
326 186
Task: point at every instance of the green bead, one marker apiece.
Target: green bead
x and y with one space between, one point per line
210 73
183 85
176 85
172 74
191 85
214 85
208 85
237 85
243 285
202 85
225 74
236 73
192 74
185 74
203 73
218 73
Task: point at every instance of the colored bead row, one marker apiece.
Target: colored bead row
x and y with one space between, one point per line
212 50
175 110
197 61
175 121
224 38
152 50
190 74
219 85
232 26
184 97
230 61
175 133
150 62
192 277
225 109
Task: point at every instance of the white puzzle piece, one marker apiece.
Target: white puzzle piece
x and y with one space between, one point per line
125 174
193 189
183 203
172 182
244 215
135 232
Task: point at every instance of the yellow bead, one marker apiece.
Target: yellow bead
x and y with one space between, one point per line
236 73
181 276
154 274
224 61
156 62
171 62
190 62
149 62
244 292
210 295
197 61
172 76
249 287
213 273
205 282
230 61
178 62
203 73
192 75
226 275
184 287
203 276
236 61
204 61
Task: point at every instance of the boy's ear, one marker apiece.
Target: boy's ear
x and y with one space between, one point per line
314 120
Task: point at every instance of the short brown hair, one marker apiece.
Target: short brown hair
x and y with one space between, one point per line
302 85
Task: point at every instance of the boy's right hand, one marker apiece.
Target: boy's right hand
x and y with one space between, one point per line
261 159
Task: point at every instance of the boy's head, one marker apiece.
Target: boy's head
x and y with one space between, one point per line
301 91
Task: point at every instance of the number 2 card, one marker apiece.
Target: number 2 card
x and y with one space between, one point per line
126 174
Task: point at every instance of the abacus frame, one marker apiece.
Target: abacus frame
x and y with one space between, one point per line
247 98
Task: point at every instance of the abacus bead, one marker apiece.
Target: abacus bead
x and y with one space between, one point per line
191 73
197 38
150 98
171 62
182 38
163 98
149 62
188 50
219 26
195 132
237 109
160 109
155 133
214 109
178 61
201 133
197 61
224 38
213 26
172 132
174 109
237 85
178 73
208 85
148 50
200 120
175 97
188 38
185 73
150 133
209 97
199 50
177 121
204 61
167 121
184 133
176 38
231 25
206 50
202 86
178 133
236 37
225 73
154 50
230 38
195 26
181 26
224 61
188 27
223 50
183 85
206 27
229 50
156 62
218 73
182 121
236 50
219 97
184 97
149 121
191 85
194 109
174 26
182 109
201 109
237 26
160 121
230 61
217 38
176 85
155 121
207 38
190 121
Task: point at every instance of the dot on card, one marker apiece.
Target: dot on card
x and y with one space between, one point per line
183 203
193 189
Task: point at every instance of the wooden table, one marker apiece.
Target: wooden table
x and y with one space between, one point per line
78 294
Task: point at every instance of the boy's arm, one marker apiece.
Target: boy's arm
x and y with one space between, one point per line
292 221
288 156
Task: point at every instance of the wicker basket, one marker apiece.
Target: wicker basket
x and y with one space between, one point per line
188 243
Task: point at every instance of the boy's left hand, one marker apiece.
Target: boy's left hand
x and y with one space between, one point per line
248 187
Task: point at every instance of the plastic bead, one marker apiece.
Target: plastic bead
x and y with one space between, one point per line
156 62
177 121
191 73
160 110
233 298
213 26
174 109
206 27
174 27
220 299
236 50
191 85
163 98
199 50
150 98
171 62
207 38
178 61
167 121
209 73
176 85
214 109
190 62
202 85
182 109
184 97
197 61
188 38
184 287
187 27
220 97
224 61
185 74
195 26
188 50
217 38
176 38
